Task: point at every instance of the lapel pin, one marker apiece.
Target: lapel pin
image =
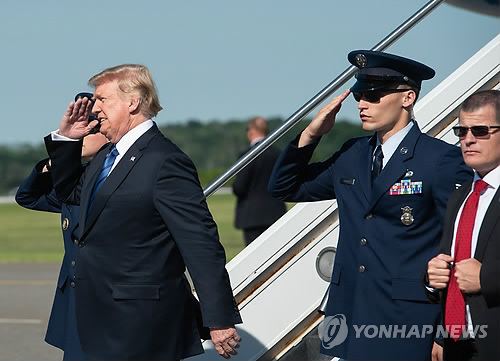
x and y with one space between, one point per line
409 173
403 150
132 158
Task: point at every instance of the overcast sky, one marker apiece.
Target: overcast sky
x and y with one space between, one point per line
210 59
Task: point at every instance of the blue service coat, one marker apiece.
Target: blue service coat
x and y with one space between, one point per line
382 250
37 193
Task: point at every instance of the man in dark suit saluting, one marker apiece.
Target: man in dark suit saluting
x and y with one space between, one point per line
391 189
256 210
143 219
465 276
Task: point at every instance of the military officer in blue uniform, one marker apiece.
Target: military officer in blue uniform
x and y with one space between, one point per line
391 189
37 193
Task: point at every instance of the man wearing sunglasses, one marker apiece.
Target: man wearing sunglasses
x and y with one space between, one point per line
465 276
391 190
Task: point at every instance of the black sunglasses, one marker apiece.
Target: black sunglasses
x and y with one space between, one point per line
373 96
477 131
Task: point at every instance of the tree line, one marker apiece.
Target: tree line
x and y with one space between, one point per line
212 146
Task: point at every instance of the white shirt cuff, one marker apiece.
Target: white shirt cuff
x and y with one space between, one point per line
58 137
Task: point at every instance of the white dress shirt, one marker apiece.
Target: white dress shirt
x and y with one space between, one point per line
129 139
493 180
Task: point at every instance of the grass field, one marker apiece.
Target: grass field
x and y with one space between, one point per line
31 236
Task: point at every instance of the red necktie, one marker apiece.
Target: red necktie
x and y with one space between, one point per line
455 303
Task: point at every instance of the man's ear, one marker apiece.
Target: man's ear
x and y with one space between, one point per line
409 98
134 104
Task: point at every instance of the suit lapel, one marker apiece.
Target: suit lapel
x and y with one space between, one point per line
491 218
94 168
117 176
454 205
396 168
366 149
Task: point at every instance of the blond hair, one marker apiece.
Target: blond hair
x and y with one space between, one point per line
134 80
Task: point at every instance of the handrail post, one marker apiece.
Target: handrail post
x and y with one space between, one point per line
316 100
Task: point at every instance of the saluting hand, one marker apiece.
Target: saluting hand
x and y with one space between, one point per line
438 271
225 341
75 122
324 121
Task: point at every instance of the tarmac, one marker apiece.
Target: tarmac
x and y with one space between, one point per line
26 294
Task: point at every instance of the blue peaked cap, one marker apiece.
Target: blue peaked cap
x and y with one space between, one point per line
379 70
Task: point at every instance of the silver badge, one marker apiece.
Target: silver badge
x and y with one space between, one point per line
65 224
403 150
409 173
407 218
361 60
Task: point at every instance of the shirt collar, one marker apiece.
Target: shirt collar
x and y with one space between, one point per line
256 140
132 135
492 178
390 146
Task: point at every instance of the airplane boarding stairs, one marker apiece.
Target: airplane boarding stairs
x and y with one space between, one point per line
278 280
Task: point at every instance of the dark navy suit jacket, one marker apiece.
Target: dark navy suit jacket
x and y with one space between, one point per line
378 269
148 221
37 193
255 206
484 305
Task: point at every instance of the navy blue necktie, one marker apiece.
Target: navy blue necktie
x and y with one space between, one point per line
106 167
377 162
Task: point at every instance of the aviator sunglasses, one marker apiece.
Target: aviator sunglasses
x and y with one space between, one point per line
373 96
478 131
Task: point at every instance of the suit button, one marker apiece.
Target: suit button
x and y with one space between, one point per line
73 284
73 263
362 268
75 242
363 241
369 216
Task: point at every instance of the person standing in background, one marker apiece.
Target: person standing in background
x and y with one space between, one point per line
256 209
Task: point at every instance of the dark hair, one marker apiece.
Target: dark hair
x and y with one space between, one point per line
481 99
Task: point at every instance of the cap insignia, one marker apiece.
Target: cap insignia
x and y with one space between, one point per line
361 60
